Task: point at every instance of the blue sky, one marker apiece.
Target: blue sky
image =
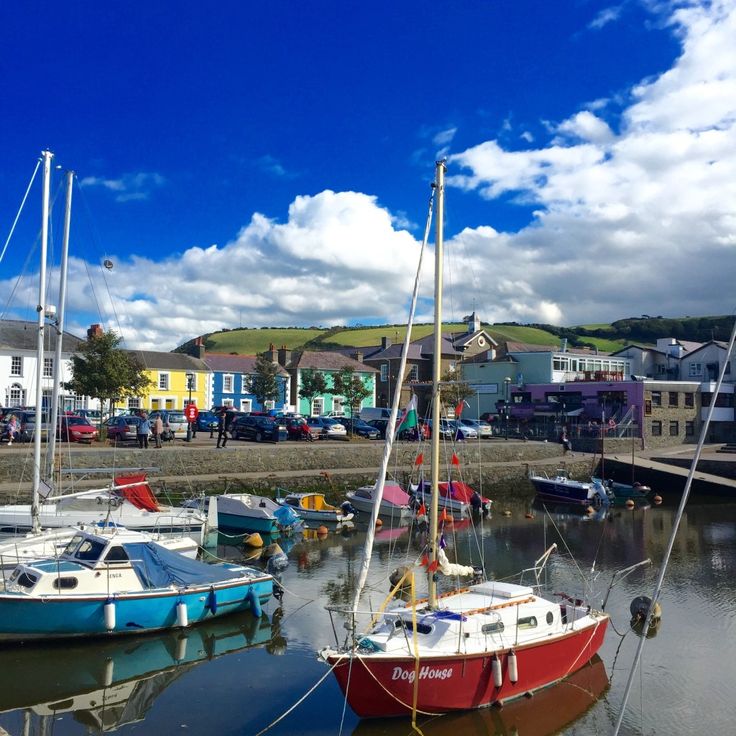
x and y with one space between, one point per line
268 164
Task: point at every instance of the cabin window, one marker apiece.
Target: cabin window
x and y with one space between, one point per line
495 628
90 550
528 622
71 548
550 617
66 583
116 554
26 580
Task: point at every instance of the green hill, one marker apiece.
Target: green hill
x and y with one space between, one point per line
607 338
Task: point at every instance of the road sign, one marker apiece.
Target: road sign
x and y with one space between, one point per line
191 412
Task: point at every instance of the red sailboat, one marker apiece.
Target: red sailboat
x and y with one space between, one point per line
469 647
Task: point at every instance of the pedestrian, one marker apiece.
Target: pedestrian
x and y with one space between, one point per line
565 442
158 430
222 428
12 429
144 429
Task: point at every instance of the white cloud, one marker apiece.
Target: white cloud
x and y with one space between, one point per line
606 16
645 217
128 187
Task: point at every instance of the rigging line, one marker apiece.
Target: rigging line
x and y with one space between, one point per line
20 210
675 527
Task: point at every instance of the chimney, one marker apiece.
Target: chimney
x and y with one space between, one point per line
283 355
359 355
199 348
94 331
385 343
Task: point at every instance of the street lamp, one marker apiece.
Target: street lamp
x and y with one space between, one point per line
190 384
507 386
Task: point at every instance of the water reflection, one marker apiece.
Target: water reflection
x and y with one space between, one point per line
547 712
107 683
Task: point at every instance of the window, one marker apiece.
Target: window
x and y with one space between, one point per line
245 405
674 428
338 405
116 554
695 370
384 372
245 383
163 381
227 383
134 403
656 398
191 381
66 583
414 373
318 406
16 365
269 404
528 622
689 429
673 399
16 396
656 428
689 400
495 628
229 403
48 367
648 407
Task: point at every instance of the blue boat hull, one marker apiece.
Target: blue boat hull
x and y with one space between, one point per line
550 490
24 617
239 523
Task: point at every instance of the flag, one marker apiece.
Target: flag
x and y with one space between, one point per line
455 459
409 417
459 408
420 459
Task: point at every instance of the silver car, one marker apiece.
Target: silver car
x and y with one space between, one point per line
483 429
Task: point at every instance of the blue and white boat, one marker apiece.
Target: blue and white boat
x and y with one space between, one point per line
118 581
246 512
564 489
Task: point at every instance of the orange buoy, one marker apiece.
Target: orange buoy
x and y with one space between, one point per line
253 540
322 531
379 523
630 503
590 510
657 500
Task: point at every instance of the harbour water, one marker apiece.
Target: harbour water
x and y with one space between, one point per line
239 674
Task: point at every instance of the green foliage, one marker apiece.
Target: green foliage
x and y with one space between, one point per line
313 384
349 384
264 383
102 370
454 390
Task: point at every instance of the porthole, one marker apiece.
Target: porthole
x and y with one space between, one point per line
66 583
550 617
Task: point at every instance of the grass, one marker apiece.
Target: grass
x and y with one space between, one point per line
250 342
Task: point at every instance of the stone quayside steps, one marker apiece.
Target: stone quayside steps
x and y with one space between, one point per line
249 466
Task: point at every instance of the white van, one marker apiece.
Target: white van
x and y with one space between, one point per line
370 413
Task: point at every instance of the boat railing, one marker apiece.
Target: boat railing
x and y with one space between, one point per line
538 568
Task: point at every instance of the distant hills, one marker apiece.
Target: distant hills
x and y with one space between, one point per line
644 330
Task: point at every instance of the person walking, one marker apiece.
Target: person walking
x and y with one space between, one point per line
12 429
158 430
222 428
144 429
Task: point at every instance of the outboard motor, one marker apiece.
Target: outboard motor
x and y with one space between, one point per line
347 508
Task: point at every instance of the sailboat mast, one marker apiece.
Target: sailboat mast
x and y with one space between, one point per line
436 399
61 309
41 311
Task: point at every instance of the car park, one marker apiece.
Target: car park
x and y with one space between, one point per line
73 428
461 431
123 428
297 428
94 416
259 428
358 427
381 424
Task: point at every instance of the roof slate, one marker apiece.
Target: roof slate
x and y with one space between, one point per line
224 362
23 335
154 360
327 361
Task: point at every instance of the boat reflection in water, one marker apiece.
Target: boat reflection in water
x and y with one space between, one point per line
547 712
107 683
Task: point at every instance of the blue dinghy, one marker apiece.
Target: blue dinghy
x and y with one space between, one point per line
119 581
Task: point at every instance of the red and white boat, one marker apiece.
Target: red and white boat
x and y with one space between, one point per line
488 642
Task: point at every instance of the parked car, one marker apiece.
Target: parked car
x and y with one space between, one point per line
297 428
483 429
381 424
94 416
360 428
446 430
73 428
461 431
206 421
330 429
175 423
257 427
27 425
123 428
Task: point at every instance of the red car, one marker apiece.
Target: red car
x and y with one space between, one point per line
75 429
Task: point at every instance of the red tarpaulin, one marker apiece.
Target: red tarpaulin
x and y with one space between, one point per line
460 491
140 494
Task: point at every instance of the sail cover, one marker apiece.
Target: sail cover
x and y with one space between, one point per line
138 492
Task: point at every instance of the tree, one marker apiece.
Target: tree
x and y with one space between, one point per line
313 384
264 383
349 384
101 370
454 390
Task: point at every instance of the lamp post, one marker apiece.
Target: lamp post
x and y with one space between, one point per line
507 386
190 382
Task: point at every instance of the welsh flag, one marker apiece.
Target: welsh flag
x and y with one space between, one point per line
409 417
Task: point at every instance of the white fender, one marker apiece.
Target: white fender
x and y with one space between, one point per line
497 673
109 672
182 615
109 609
513 666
